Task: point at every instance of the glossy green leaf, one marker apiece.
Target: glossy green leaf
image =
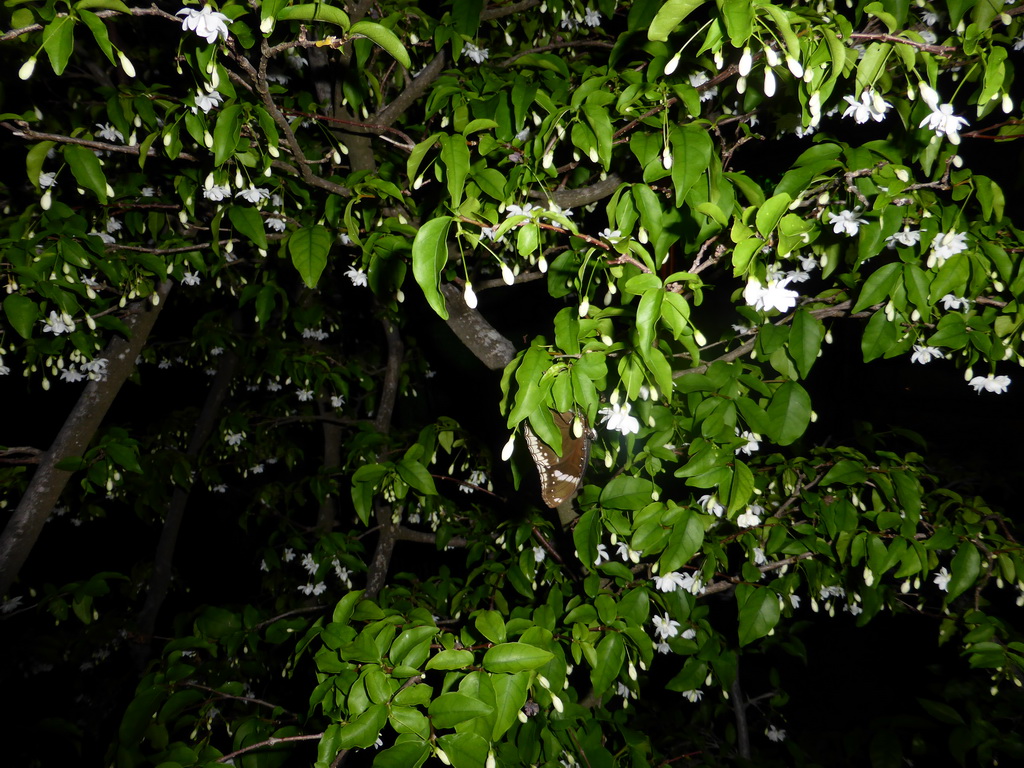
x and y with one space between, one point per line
515 657
315 12
671 16
309 248
789 413
964 570
429 256
450 709
59 42
22 313
383 37
758 612
87 171
249 222
226 133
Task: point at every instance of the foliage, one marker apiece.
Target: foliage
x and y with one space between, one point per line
314 187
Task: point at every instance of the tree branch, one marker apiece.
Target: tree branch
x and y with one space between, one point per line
48 482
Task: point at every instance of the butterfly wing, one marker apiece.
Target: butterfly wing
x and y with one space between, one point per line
561 476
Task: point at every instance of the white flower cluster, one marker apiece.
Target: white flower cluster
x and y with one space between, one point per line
207 23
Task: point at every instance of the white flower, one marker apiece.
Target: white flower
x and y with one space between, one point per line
357 276
626 554
990 383
47 180
337 401
305 395
774 295
289 555
58 324
693 696
253 194
710 504
870 107
750 517
276 224
942 579
759 556
775 734
907 237
234 438
665 627
688 634
478 55
591 18
97 369
220 488
207 23
314 333
697 79
108 132
71 375
602 554
617 418
147 192
216 351
344 239
670 582
256 469
273 386
845 222
752 443
113 225
190 278
539 554
103 236
5 370
217 192
309 563
794 600
924 354
611 235
11 605
942 120
306 589
951 302
944 245
206 101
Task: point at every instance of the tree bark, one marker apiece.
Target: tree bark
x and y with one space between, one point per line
48 482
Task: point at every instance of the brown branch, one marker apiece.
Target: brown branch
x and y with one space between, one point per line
498 11
940 50
554 47
247 699
21 455
44 490
21 130
412 91
272 741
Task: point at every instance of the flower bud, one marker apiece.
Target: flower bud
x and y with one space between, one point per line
27 68
769 83
673 63
771 56
469 296
507 276
746 62
126 65
584 308
795 67
506 452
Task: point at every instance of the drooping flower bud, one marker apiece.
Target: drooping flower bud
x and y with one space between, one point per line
469 296
27 68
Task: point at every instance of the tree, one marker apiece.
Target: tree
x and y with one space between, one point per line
334 204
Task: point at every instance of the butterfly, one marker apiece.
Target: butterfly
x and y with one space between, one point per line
561 476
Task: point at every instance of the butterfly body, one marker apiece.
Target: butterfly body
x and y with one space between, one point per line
561 476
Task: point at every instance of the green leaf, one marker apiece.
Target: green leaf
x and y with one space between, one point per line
515 657
35 159
405 754
490 625
879 337
847 472
99 32
249 222
741 487
429 256
609 656
315 12
226 133
768 215
510 694
878 287
964 570
455 157
758 612
59 41
22 313
364 730
451 659
450 709
684 541
87 171
383 37
308 247
805 337
109 5
670 16
789 413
